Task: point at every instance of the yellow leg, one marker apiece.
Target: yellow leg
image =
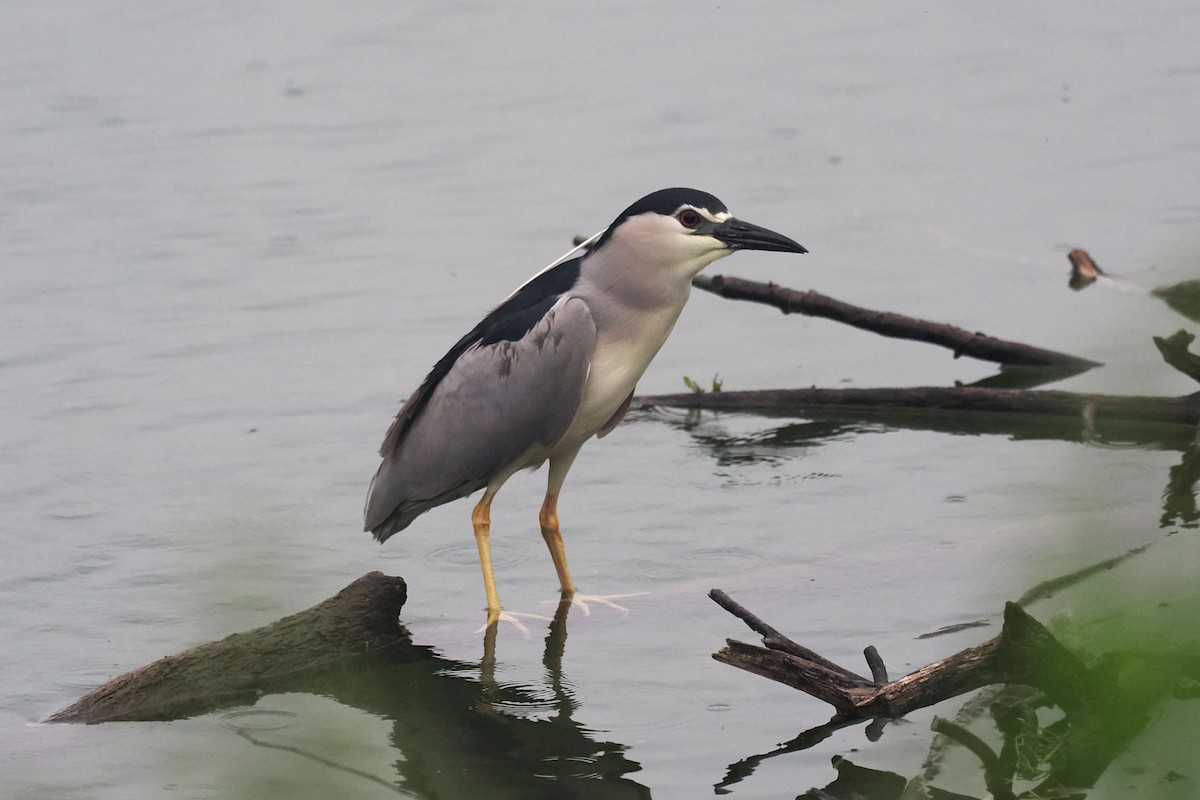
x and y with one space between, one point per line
553 536
481 520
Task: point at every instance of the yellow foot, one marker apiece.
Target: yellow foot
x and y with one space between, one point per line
512 617
582 600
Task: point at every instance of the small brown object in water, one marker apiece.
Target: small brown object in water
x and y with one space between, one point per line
1083 270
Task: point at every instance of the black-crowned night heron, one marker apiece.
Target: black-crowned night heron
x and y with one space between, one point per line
552 366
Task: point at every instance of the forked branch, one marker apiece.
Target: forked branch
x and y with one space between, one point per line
1024 652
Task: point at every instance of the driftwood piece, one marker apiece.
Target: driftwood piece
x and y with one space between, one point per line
1174 350
1106 702
358 620
1024 652
1084 271
1182 297
961 342
456 731
1176 410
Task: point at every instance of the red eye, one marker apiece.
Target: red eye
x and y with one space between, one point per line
688 218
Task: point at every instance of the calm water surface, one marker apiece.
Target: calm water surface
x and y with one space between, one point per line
234 235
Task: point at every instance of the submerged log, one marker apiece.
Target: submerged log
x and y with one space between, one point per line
962 342
1175 410
359 620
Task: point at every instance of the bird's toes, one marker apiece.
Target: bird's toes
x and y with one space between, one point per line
582 601
513 618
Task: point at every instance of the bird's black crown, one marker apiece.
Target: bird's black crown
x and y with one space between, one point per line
665 202
668 201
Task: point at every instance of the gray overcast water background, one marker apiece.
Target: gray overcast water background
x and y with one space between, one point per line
234 235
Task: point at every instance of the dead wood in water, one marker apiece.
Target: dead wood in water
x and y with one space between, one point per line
1087 407
360 619
961 342
1084 271
1174 350
1106 701
1024 652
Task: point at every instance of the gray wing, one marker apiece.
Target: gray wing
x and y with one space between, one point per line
492 405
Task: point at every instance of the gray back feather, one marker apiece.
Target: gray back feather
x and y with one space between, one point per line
494 403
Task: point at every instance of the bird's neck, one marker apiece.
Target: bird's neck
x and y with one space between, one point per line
637 281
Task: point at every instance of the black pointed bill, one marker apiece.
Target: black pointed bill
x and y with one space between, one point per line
738 235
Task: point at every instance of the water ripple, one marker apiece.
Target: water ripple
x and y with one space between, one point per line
258 719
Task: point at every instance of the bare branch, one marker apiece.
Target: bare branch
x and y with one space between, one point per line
1174 350
1024 652
899 326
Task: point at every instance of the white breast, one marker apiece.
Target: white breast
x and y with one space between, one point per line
635 288
623 351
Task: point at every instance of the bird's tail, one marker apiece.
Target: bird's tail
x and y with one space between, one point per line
390 508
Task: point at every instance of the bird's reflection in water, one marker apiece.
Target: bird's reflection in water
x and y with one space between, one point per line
465 736
1179 498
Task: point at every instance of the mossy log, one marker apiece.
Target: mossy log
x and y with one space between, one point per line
360 619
